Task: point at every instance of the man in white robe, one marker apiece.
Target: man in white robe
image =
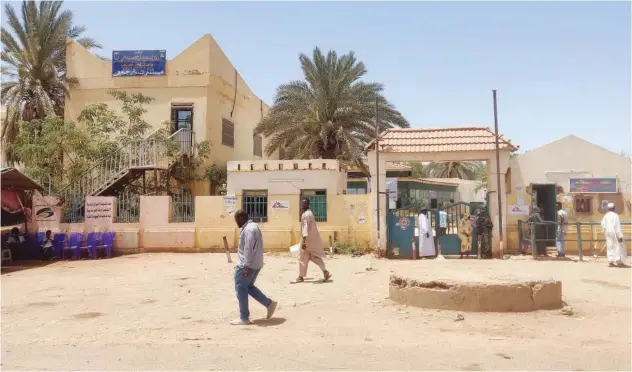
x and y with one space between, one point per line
426 238
614 237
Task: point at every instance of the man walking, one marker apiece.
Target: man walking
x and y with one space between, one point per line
426 238
562 223
311 244
250 262
614 237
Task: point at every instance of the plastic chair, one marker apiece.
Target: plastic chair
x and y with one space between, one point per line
39 238
59 241
74 245
91 244
107 242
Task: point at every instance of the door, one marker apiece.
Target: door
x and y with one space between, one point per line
401 230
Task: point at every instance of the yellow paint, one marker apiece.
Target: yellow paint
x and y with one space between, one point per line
213 221
200 75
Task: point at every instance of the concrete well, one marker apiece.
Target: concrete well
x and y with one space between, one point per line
511 296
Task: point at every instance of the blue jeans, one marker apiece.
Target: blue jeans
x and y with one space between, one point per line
244 286
559 241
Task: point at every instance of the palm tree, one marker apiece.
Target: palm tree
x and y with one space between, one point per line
465 170
33 56
330 114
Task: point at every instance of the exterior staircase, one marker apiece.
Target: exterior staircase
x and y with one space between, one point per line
113 173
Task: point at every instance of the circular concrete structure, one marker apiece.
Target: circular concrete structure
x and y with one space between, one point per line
511 296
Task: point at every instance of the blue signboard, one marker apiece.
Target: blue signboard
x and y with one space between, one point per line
139 62
593 185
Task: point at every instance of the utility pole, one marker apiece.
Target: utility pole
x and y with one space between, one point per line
377 168
498 189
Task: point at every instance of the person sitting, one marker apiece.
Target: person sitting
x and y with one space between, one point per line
16 243
47 246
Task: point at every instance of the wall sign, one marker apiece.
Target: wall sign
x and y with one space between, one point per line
230 201
280 205
593 185
139 63
518 210
520 200
100 212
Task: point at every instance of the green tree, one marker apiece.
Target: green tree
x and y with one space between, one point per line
465 170
331 113
34 64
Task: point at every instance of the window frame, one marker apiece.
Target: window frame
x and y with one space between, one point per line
257 144
317 192
588 202
226 123
255 193
175 109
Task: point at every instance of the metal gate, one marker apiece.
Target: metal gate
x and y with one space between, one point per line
448 238
401 231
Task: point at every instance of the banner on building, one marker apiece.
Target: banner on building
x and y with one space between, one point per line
139 63
518 210
280 205
593 185
391 188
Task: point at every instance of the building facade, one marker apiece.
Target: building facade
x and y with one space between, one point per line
198 89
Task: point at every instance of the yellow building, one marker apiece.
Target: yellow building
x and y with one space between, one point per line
200 85
582 176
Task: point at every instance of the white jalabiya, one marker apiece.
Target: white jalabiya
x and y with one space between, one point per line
426 240
612 229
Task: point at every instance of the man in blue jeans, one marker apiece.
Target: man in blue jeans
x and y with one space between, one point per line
250 262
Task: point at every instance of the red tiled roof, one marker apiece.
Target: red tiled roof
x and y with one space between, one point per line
441 140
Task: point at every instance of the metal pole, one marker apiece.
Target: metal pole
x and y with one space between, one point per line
377 167
498 189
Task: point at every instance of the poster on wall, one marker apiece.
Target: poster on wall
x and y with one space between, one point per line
520 200
593 185
139 63
518 210
100 211
391 189
230 201
604 205
280 205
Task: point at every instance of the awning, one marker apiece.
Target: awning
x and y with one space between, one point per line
13 179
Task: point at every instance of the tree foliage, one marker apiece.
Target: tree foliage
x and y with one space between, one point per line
331 113
61 152
34 64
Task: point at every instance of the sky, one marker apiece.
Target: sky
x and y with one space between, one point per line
560 68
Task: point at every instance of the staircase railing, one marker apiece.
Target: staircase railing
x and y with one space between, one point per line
147 153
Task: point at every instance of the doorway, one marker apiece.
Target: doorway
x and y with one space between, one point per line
544 196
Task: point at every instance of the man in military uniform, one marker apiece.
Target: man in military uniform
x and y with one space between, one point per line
484 228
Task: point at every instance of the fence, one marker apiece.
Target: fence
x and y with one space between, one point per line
543 234
183 207
128 208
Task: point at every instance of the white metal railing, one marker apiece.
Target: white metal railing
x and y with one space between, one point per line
147 153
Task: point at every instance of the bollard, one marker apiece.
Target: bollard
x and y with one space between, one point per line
331 245
579 241
534 250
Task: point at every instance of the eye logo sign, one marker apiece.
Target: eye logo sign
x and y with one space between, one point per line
45 213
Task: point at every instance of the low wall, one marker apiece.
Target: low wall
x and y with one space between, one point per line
477 297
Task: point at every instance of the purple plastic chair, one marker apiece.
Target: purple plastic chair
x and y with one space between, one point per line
91 244
107 242
58 242
39 238
74 245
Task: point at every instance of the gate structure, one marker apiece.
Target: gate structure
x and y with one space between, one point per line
449 240
401 231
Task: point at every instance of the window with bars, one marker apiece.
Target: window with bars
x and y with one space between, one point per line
228 133
255 203
317 203
258 146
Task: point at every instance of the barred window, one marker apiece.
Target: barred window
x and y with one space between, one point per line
228 133
317 203
258 146
255 203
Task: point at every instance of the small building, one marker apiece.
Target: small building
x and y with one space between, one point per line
198 90
584 177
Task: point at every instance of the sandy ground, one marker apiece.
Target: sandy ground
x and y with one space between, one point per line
171 312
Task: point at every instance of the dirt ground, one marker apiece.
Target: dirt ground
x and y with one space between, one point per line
171 312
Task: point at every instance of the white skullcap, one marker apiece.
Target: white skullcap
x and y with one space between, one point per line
610 205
